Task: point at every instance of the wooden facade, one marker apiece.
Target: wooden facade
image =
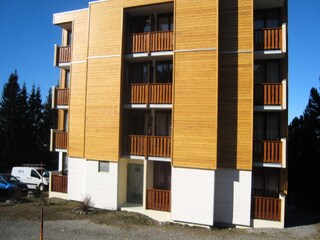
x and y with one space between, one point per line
195 103
235 117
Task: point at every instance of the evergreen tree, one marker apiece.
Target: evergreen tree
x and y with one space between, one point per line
10 127
35 114
304 148
49 122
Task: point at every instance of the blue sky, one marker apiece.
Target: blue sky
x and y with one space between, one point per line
28 36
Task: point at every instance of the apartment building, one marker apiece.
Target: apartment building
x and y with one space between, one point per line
174 109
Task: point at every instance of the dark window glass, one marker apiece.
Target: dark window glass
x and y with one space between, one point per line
34 174
164 72
165 22
141 24
162 175
140 73
267 19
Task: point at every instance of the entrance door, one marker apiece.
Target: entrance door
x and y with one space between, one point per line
135 183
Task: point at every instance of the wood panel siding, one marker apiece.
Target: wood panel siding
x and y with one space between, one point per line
267 208
268 39
195 110
135 3
235 111
199 31
159 200
80 36
145 93
77 105
105 36
268 94
235 25
103 109
235 117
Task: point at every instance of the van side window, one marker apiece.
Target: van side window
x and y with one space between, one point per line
34 174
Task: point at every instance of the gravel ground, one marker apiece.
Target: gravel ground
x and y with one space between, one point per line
85 229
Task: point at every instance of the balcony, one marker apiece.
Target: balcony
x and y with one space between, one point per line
158 200
59 183
149 93
149 146
60 97
151 42
62 56
267 208
268 39
268 152
59 140
268 94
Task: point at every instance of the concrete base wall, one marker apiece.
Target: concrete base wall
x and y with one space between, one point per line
192 196
233 197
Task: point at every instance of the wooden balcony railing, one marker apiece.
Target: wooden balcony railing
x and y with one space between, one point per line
267 208
151 42
146 93
268 94
64 54
159 200
153 146
268 151
61 96
268 39
60 139
59 183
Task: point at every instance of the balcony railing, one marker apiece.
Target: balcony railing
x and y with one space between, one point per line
146 93
61 97
268 151
60 139
268 94
267 208
268 39
59 183
151 42
159 200
153 146
63 54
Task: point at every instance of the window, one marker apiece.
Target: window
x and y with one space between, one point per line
140 72
103 166
266 127
267 19
34 174
69 37
162 175
164 72
165 22
141 24
267 72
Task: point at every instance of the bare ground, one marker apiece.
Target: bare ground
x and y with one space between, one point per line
22 221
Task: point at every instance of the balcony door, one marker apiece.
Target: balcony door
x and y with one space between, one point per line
135 183
266 127
267 72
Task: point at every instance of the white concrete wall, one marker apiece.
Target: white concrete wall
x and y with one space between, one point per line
233 197
102 186
76 179
192 196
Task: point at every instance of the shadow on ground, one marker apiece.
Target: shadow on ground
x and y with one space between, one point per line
303 211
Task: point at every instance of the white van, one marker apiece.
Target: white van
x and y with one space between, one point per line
32 176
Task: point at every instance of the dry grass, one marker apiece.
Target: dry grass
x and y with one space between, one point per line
58 209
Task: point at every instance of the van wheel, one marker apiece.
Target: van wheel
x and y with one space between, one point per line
41 187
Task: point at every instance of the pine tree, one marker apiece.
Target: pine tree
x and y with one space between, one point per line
35 114
49 122
304 148
10 127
